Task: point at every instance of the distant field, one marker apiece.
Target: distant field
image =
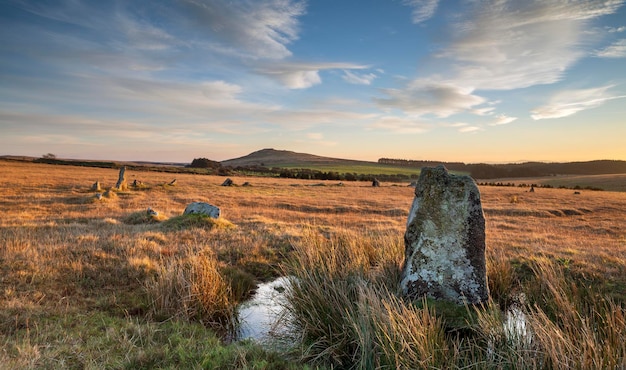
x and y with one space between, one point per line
615 182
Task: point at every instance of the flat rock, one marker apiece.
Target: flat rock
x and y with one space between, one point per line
445 240
202 208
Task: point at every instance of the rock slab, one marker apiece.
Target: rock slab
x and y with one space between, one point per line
201 208
445 240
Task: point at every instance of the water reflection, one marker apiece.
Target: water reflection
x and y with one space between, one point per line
258 317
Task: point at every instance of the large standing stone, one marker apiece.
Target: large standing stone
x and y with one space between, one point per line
202 208
445 240
121 181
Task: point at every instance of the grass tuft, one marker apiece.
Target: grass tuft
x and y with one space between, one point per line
196 221
192 289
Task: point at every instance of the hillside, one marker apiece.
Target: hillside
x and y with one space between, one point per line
517 170
285 158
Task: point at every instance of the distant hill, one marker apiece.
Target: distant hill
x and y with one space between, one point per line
285 158
269 158
528 169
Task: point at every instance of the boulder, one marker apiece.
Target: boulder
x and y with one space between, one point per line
445 240
96 186
375 183
227 182
201 208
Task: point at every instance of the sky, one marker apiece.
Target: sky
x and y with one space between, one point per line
469 81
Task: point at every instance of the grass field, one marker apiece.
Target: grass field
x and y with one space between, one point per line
365 169
615 182
88 283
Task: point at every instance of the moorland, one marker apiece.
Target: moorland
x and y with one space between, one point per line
100 283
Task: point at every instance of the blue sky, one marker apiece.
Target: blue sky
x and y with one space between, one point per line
471 81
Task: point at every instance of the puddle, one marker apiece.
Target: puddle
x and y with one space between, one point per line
258 316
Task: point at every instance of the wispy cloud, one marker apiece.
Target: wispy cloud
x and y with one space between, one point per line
423 97
423 10
358 79
503 119
401 125
615 50
616 29
507 45
262 28
567 103
500 45
296 75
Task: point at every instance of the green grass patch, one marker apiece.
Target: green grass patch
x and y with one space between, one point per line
190 221
96 340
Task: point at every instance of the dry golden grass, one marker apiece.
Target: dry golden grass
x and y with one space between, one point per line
65 254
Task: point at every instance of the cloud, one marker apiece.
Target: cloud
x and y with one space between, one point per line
261 28
504 45
358 79
301 75
615 50
401 125
502 119
467 129
422 97
616 29
423 10
298 119
567 103
499 45
463 127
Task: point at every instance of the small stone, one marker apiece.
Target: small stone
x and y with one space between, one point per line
173 182
201 208
152 212
98 196
227 182
96 186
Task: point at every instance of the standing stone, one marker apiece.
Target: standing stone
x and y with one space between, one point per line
375 183
201 208
445 240
121 181
96 186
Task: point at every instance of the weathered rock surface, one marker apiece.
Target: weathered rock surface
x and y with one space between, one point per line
202 208
445 240
121 181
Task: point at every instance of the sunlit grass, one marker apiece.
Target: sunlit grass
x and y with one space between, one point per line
138 290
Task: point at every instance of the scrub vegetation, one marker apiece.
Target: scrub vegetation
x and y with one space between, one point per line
102 283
